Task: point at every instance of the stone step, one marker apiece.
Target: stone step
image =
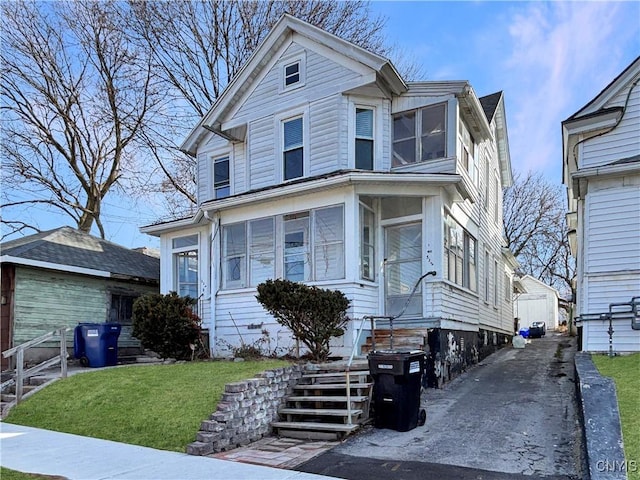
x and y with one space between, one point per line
331 386
7 397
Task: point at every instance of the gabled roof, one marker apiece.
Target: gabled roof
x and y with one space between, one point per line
595 118
279 35
69 249
490 104
494 110
597 104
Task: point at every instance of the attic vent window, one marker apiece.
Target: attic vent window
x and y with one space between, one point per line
291 74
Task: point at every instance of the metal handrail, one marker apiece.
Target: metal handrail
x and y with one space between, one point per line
372 318
19 350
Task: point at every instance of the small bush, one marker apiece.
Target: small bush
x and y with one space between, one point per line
166 324
313 314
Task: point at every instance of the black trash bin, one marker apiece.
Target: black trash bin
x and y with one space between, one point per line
397 378
96 344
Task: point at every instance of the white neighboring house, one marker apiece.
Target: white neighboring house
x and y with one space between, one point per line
319 163
601 144
538 304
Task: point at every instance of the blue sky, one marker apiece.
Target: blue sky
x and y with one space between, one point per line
549 59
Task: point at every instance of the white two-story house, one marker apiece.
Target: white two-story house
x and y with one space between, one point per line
320 164
601 166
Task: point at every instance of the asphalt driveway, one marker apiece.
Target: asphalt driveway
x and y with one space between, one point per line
512 416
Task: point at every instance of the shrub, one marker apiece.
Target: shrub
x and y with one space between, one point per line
166 324
313 314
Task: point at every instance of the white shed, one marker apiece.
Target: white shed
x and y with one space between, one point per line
539 304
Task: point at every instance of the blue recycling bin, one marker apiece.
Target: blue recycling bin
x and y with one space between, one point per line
96 344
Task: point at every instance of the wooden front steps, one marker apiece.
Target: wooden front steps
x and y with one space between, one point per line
318 408
403 339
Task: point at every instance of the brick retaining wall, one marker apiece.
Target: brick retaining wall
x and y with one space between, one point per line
245 411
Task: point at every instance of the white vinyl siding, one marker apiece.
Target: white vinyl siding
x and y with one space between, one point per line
613 241
262 162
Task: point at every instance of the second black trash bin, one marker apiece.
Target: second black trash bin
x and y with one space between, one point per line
397 378
96 344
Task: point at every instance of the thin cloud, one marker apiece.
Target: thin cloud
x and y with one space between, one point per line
561 54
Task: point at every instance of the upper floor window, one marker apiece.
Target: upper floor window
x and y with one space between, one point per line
293 156
221 184
291 74
364 138
419 135
185 264
466 146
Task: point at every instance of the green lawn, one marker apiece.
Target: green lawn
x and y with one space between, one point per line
158 406
625 371
6 474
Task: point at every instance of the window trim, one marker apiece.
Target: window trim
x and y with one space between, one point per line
300 59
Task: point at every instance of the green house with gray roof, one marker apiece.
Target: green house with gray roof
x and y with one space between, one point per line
61 277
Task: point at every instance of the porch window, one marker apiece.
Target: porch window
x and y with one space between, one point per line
367 243
460 255
328 235
234 254
293 156
261 250
403 267
221 184
296 247
364 138
185 265
419 135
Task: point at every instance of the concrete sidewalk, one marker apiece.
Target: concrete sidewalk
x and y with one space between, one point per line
34 450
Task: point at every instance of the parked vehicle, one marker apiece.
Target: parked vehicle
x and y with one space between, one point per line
537 330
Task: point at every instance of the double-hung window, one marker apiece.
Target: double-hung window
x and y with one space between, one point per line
466 147
185 264
221 184
364 138
419 135
460 255
291 74
293 155
261 250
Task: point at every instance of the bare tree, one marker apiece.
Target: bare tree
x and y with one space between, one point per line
199 46
536 230
76 93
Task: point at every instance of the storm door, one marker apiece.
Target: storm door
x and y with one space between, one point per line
403 267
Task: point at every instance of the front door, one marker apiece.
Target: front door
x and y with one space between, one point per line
403 268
